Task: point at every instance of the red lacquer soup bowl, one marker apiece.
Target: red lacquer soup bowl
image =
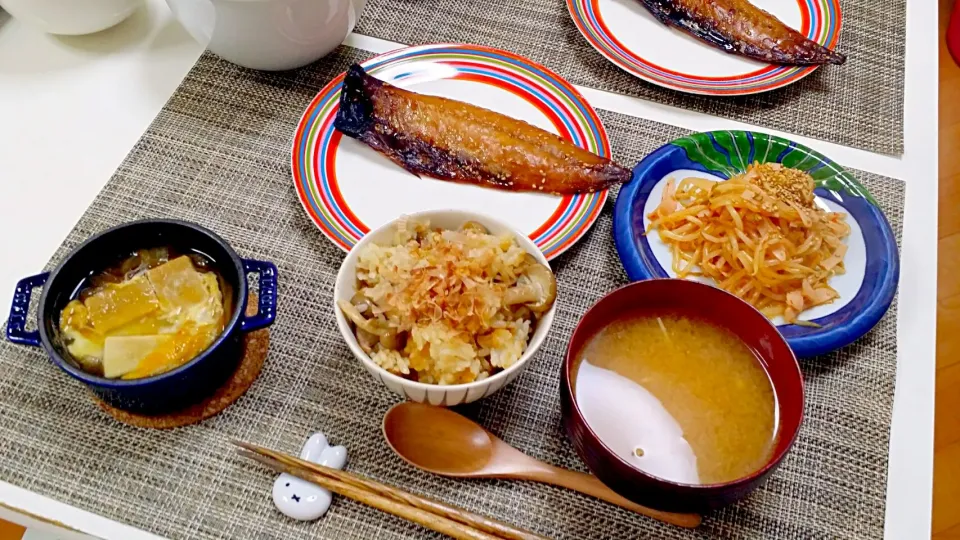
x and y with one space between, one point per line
713 305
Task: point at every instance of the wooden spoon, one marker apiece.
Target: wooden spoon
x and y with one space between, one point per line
443 442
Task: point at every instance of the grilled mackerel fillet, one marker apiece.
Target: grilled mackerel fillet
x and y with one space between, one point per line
739 27
459 142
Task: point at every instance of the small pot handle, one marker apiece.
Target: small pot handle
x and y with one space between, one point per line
17 324
266 297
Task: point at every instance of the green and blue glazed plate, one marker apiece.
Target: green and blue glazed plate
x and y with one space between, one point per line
872 262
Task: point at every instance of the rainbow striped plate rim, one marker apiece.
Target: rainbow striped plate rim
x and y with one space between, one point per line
315 140
821 22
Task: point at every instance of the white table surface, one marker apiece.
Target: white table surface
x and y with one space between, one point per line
72 108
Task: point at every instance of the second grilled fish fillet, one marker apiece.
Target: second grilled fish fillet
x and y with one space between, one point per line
459 142
737 26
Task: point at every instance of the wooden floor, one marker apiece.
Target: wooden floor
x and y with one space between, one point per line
946 466
10 531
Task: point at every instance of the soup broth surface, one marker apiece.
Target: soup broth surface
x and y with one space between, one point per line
149 313
677 397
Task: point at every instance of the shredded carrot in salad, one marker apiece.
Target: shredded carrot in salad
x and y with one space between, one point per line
757 235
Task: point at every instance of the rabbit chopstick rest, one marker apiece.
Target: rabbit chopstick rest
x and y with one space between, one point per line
300 499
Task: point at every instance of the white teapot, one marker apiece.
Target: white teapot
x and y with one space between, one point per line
268 35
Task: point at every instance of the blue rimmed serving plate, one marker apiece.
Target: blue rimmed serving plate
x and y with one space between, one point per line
872 261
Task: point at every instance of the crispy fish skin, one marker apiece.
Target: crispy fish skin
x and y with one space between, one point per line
737 26
459 142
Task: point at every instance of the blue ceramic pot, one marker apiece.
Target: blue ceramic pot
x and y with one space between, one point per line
174 389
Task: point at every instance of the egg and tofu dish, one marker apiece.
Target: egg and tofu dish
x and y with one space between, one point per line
146 316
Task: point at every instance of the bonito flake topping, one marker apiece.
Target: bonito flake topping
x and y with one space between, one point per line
447 307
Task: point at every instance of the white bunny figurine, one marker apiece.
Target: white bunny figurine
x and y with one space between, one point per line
300 499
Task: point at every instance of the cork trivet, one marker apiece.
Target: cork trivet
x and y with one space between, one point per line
254 354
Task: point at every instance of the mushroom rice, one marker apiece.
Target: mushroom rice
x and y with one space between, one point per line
447 307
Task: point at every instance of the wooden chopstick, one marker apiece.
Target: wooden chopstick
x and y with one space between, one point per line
434 515
429 520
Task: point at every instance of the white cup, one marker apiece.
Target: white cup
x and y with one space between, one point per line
71 17
268 35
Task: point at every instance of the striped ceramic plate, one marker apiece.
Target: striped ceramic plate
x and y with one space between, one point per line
629 36
348 189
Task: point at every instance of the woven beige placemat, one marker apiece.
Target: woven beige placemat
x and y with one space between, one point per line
218 154
859 104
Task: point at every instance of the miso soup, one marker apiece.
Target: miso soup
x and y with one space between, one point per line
151 312
677 397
